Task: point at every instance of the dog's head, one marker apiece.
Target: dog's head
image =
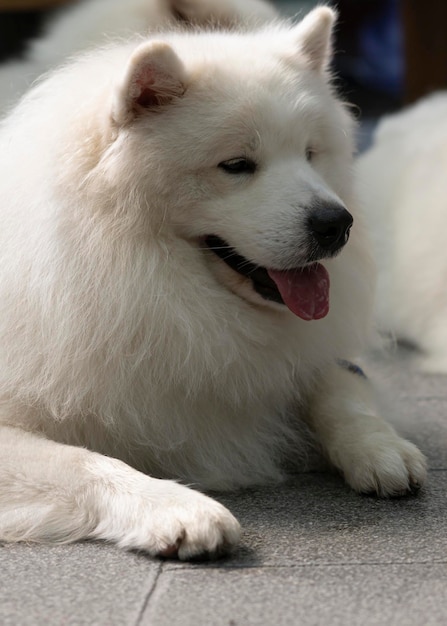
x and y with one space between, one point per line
238 146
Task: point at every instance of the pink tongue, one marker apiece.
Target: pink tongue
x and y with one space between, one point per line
304 291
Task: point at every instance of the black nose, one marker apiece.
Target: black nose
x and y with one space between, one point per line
330 224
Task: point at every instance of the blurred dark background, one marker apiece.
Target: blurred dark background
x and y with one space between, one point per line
389 52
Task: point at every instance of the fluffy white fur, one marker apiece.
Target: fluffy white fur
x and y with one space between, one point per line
122 336
90 22
404 189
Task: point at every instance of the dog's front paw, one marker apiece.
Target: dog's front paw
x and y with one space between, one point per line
160 517
192 527
383 463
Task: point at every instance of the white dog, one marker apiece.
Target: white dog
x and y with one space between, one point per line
171 213
404 187
89 22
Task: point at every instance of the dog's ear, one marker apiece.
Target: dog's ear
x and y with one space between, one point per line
154 76
314 37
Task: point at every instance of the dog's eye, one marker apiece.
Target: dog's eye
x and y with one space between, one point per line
238 166
310 153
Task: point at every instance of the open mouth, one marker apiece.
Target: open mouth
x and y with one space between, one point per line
304 290
259 276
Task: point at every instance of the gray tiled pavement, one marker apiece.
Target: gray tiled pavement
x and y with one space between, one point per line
312 553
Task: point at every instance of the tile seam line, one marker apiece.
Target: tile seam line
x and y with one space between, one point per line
149 595
424 398
301 565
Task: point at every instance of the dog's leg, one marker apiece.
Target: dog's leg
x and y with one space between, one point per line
358 442
55 492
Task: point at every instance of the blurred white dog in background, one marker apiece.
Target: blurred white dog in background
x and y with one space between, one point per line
90 22
403 184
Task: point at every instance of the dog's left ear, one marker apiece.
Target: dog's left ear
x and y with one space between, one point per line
314 38
154 76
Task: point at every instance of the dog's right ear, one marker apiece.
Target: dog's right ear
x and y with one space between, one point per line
154 76
313 36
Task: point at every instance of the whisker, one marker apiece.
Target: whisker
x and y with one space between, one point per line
221 248
248 263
